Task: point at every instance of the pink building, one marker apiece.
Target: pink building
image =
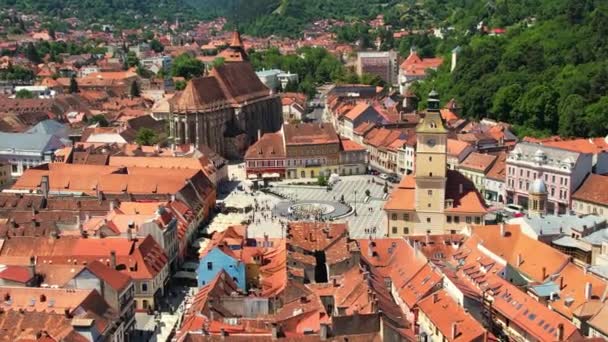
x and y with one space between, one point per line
562 172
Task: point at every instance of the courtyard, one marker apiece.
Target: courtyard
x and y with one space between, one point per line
271 210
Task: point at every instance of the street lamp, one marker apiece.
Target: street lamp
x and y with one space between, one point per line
355 202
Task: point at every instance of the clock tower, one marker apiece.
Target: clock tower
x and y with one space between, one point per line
430 173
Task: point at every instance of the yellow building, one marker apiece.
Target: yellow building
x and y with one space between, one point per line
434 200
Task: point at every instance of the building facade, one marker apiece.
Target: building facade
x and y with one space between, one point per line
384 64
312 150
563 172
434 200
225 110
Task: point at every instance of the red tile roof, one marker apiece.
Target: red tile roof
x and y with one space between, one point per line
140 258
310 134
536 259
593 190
18 274
478 162
116 279
415 66
270 146
444 313
348 145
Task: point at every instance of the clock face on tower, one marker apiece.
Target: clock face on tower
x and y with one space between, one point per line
430 142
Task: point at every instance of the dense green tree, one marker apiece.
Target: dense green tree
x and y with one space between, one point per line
505 100
571 114
538 108
131 59
180 85
24 94
218 62
156 46
73 85
32 54
596 118
134 90
16 73
146 137
99 119
187 66
291 87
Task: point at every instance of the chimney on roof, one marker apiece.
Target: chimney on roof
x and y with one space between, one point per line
130 230
426 237
435 297
173 198
324 332
544 272
588 288
44 186
112 205
303 300
502 229
54 233
454 330
334 281
561 282
32 266
67 313
274 332
259 134
520 260
311 237
560 332
113 259
42 298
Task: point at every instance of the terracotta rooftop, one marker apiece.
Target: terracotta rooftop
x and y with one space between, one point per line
445 314
348 145
34 311
466 201
522 310
498 169
593 190
140 258
456 147
572 281
478 162
534 258
315 236
269 146
310 134
415 65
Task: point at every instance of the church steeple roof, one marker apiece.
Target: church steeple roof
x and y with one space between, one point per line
235 40
432 121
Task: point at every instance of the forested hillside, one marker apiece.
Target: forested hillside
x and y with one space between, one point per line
122 13
547 75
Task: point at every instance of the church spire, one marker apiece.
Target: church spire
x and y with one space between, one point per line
236 41
432 121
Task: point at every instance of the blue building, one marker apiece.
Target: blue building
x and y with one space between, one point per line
216 260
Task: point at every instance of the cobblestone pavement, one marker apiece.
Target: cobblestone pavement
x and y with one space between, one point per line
369 210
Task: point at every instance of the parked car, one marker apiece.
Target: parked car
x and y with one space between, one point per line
514 208
384 176
394 178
